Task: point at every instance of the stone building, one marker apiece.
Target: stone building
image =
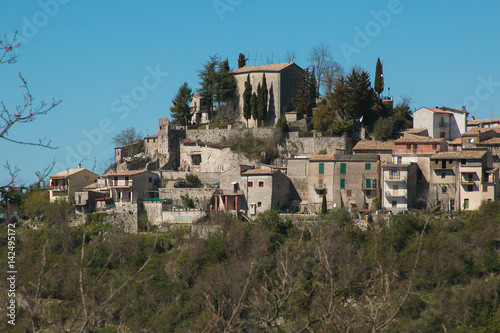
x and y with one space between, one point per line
461 180
356 181
399 186
483 123
320 179
169 138
151 146
282 81
200 109
382 148
130 185
125 153
63 185
441 122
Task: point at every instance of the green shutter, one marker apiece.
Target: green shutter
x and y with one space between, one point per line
322 168
342 168
368 166
368 183
342 183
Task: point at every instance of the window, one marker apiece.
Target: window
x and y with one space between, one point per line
443 175
408 147
250 184
434 146
342 183
349 193
469 188
261 183
342 169
321 169
259 204
441 135
150 179
463 162
368 193
368 183
466 203
485 188
399 160
368 166
443 189
394 203
394 174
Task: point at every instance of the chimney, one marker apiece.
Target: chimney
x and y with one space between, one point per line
463 109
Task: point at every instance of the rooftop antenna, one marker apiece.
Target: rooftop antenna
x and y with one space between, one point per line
491 114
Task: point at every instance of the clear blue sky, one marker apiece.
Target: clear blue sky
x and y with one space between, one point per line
92 54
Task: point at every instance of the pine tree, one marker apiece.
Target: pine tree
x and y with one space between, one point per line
225 83
305 98
323 205
247 96
241 60
208 79
181 102
378 86
262 99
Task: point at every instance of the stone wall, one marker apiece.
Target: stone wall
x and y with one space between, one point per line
158 216
123 217
217 135
170 177
201 196
298 145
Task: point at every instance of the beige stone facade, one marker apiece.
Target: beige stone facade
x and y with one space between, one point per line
63 185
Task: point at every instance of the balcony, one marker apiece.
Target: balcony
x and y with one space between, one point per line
120 183
398 194
444 125
319 187
395 179
228 192
59 188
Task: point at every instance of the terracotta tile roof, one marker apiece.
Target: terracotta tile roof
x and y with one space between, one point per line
476 131
252 172
419 139
457 141
91 186
125 173
394 166
483 121
439 111
415 130
66 173
151 136
374 145
492 141
263 68
313 158
472 154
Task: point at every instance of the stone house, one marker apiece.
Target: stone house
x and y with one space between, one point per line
130 186
483 123
297 172
472 138
461 180
382 148
198 156
125 153
320 179
282 81
200 109
151 146
356 181
399 186
63 185
441 122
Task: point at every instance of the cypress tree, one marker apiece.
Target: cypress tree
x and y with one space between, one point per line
241 60
255 106
262 98
378 86
226 83
323 205
181 111
247 96
312 90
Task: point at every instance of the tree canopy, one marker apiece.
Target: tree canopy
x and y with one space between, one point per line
247 96
126 137
305 98
378 86
181 111
217 84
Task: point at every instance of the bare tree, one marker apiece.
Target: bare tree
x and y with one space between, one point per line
127 137
327 71
24 113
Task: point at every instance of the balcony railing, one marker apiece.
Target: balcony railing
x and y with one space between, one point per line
389 194
319 187
395 179
120 183
59 188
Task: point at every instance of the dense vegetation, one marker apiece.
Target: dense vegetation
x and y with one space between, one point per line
421 273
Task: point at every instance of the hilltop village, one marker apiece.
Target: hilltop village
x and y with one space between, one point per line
282 159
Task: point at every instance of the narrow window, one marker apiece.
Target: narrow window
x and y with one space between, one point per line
485 188
342 183
368 183
368 166
321 168
342 169
466 203
250 184
261 183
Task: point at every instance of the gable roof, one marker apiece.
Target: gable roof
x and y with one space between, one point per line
313 158
374 145
483 121
419 139
471 154
264 68
66 173
476 131
253 172
125 173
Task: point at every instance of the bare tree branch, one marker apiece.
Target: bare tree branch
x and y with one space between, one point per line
6 47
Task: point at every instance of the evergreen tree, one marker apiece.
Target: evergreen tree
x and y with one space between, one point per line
208 79
323 205
313 93
225 83
378 86
181 102
247 96
305 98
262 99
254 104
241 60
